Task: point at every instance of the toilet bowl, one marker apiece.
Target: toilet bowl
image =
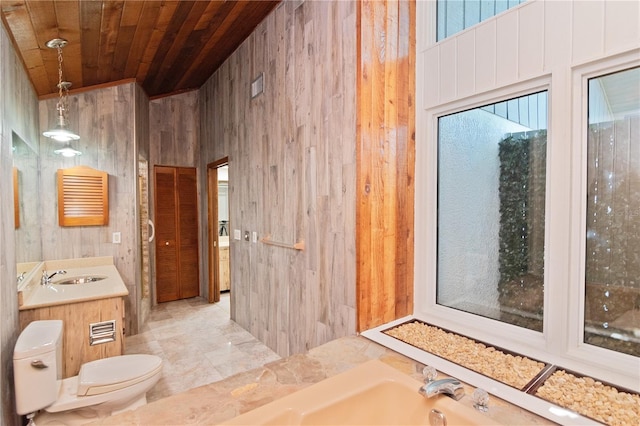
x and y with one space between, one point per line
101 388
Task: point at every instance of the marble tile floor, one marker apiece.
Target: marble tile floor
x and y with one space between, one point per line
199 344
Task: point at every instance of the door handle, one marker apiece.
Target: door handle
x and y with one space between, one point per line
166 243
153 230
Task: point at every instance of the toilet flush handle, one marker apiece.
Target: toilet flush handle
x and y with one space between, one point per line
37 363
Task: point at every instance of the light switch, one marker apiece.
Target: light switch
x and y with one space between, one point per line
236 234
254 237
116 238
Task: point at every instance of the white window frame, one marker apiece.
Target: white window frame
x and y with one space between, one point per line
578 351
425 306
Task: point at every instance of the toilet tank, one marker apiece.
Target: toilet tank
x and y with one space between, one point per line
37 358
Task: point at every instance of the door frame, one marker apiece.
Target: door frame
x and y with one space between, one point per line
212 228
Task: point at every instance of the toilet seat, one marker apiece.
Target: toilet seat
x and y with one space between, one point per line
109 383
110 374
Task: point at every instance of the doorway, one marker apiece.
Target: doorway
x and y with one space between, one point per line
218 228
147 234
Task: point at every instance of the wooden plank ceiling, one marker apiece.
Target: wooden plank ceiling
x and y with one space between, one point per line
167 46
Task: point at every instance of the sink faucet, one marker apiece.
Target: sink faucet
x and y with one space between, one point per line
46 278
449 387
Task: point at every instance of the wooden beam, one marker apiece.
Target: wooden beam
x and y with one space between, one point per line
386 161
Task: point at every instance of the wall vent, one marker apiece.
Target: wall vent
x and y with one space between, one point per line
102 332
257 86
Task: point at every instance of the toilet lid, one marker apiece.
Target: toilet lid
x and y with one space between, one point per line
110 374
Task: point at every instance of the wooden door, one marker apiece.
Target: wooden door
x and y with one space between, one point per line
176 214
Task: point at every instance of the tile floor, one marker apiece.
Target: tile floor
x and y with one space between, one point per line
198 343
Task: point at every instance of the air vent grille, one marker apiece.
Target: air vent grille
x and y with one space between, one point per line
102 332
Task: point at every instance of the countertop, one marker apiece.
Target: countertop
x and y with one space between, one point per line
34 295
228 398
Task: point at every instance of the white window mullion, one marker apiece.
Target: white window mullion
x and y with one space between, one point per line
578 206
557 299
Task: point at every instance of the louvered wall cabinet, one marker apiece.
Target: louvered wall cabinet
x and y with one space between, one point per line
83 197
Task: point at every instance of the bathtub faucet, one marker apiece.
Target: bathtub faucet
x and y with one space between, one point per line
46 278
449 387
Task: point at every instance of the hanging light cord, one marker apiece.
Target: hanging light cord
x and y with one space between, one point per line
60 132
62 88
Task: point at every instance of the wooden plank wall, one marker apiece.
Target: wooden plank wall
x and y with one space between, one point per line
105 119
386 161
18 113
292 170
174 134
174 124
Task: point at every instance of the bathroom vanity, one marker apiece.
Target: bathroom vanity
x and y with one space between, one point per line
88 298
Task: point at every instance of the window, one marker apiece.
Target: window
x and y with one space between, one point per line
612 259
454 16
491 210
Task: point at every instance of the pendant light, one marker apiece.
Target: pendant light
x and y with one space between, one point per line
67 151
60 132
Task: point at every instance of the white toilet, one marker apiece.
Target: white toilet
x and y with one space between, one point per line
103 387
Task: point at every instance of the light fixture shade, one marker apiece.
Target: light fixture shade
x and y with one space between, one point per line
61 134
67 151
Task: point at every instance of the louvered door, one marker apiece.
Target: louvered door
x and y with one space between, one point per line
176 217
188 232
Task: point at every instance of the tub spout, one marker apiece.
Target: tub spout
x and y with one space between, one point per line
450 387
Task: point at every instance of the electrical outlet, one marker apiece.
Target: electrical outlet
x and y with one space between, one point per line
236 234
254 237
116 238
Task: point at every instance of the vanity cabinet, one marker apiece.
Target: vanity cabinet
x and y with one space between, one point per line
225 282
77 318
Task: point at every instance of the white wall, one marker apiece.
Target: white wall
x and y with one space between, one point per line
530 40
